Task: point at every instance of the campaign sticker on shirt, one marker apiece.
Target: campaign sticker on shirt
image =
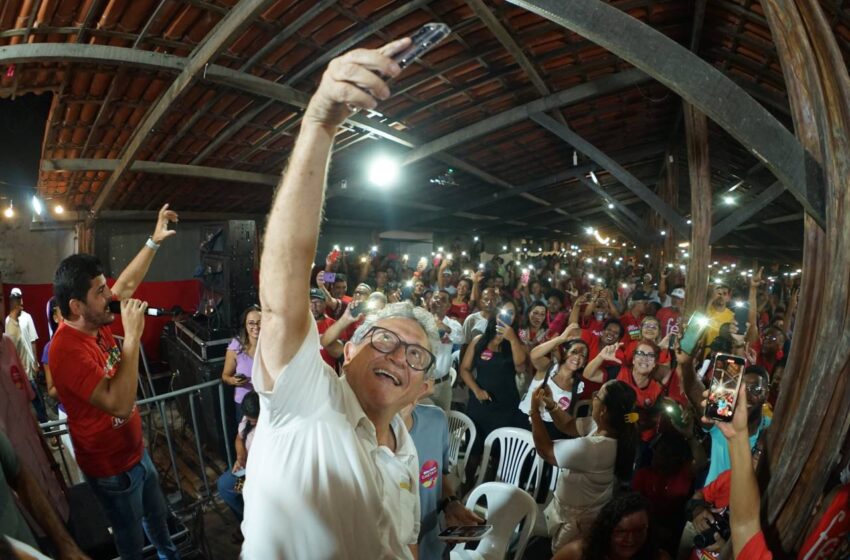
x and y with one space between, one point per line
634 332
564 403
428 474
487 355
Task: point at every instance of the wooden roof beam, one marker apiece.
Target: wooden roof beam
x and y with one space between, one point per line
638 226
701 85
615 169
757 204
503 35
602 86
160 168
233 23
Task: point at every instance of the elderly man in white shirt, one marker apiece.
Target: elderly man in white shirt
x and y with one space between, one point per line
333 472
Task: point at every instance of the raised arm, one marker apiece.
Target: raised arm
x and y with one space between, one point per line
691 385
574 312
476 288
331 301
540 353
132 276
593 370
744 499
330 338
293 225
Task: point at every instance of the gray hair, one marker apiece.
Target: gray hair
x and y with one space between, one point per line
405 310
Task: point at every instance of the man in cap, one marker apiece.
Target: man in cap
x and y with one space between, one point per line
669 317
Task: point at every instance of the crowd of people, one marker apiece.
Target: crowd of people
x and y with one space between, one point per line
341 393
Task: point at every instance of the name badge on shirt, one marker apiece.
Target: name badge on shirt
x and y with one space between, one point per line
428 474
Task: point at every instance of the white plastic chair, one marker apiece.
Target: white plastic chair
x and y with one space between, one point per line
462 434
453 376
509 510
540 528
516 450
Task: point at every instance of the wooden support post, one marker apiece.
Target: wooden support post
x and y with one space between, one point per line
85 237
699 170
813 413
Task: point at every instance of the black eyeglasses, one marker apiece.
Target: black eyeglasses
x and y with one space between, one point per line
642 354
386 342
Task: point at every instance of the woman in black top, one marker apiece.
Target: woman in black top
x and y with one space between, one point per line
498 356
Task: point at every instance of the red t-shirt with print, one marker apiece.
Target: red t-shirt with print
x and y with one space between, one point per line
631 326
104 445
667 317
755 549
646 399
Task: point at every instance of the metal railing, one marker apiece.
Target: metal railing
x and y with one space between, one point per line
169 417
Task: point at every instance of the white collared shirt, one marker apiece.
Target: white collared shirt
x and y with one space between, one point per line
318 485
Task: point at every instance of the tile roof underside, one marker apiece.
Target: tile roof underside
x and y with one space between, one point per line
98 105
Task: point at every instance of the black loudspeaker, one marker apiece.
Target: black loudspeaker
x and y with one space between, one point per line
190 371
229 256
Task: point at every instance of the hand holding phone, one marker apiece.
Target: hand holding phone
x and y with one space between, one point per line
727 373
693 333
465 533
425 39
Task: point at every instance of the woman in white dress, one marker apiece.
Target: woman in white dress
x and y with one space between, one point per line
603 451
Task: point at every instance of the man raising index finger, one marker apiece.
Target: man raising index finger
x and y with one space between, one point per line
333 472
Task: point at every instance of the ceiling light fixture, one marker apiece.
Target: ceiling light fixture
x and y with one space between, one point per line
384 171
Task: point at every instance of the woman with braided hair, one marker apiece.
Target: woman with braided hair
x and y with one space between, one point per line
602 453
622 531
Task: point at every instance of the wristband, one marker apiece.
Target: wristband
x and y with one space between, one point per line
151 244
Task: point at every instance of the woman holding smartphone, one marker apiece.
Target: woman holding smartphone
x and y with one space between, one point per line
498 356
239 359
602 452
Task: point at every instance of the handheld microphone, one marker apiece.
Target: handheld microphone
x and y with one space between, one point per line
115 307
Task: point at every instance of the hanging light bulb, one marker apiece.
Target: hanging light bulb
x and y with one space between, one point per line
59 209
10 211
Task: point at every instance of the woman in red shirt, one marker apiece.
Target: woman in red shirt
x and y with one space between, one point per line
641 377
460 308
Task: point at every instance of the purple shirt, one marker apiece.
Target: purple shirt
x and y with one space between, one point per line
244 364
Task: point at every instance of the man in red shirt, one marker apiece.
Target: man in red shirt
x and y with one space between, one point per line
97 381
668 317
317 308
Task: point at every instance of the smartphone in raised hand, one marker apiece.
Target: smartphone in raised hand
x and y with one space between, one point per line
693 333
421 42
727 373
